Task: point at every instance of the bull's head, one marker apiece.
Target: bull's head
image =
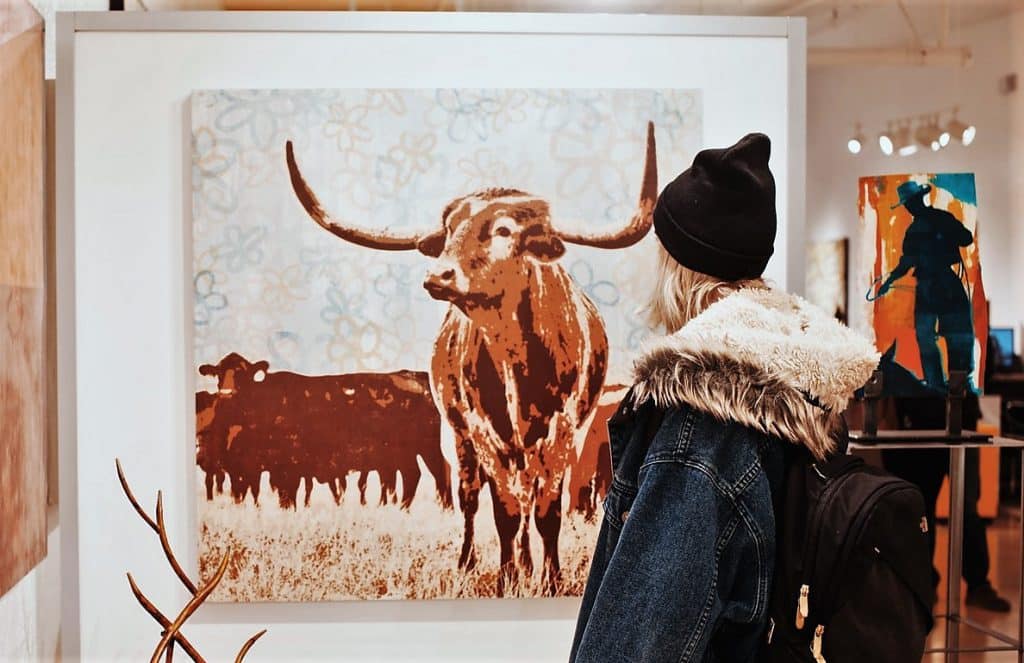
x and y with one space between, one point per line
489 238
234 371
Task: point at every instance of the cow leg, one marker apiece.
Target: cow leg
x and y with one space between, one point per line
469 502
442 473
209 486
525 554
220 482
388 481
586 502
410 481
282 497
362 488
238 488
507 520
548 514
244 486
393 486
470 479
255 487
293 491
309 489
333 486
288 491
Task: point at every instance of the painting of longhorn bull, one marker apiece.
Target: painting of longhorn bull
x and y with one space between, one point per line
414 311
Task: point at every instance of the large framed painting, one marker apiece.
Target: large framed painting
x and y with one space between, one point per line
22 295
827 277
926 299
414 312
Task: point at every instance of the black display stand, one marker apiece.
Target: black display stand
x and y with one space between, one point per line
957 441
954 433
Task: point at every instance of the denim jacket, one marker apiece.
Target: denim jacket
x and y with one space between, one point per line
683 564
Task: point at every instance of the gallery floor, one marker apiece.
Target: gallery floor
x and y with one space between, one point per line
1005 574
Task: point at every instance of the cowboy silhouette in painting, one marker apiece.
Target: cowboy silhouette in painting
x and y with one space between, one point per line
942 307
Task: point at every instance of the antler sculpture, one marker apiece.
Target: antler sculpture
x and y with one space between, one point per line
171 633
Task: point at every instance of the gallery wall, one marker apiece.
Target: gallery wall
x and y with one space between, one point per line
29 611
126 301
48 9
1015 139
838 97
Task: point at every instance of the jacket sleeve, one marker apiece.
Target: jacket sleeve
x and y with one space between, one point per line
660 598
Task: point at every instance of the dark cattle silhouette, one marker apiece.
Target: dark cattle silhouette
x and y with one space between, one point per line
232 440
209 446
521 355
305 428
591 475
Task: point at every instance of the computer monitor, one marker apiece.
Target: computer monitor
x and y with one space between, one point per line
1002 346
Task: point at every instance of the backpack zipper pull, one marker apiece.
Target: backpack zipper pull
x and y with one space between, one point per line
819 634
802 606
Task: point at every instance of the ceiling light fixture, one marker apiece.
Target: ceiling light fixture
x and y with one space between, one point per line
907 135
925 136
904 141
856 142
928 133
963 132
885 141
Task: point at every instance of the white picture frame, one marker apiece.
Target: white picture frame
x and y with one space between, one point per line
123 206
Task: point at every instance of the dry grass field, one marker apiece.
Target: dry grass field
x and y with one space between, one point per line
333 553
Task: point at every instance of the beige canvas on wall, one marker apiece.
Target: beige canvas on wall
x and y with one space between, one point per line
827 275
22 295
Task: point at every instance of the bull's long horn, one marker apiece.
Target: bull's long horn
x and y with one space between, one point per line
374 239
641 222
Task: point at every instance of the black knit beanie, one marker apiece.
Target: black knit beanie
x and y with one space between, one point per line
718 217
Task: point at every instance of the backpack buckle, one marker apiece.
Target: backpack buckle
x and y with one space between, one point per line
803 606
819 634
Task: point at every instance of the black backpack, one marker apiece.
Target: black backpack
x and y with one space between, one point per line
853 579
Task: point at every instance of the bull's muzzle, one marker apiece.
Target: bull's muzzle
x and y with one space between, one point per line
440 284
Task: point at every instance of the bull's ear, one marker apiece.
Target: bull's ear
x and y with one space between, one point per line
259 371
545 247
432 245
208 369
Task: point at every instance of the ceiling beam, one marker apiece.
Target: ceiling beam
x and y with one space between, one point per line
796 6
945 24
918 42
921 57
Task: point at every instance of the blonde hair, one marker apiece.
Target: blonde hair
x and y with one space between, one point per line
681 294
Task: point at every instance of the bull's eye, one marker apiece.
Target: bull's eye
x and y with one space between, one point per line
503 231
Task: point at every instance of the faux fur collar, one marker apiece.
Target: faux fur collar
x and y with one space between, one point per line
765 359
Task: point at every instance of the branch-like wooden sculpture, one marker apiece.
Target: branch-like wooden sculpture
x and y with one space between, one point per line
171 634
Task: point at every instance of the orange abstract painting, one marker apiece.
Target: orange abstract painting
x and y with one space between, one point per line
926 299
